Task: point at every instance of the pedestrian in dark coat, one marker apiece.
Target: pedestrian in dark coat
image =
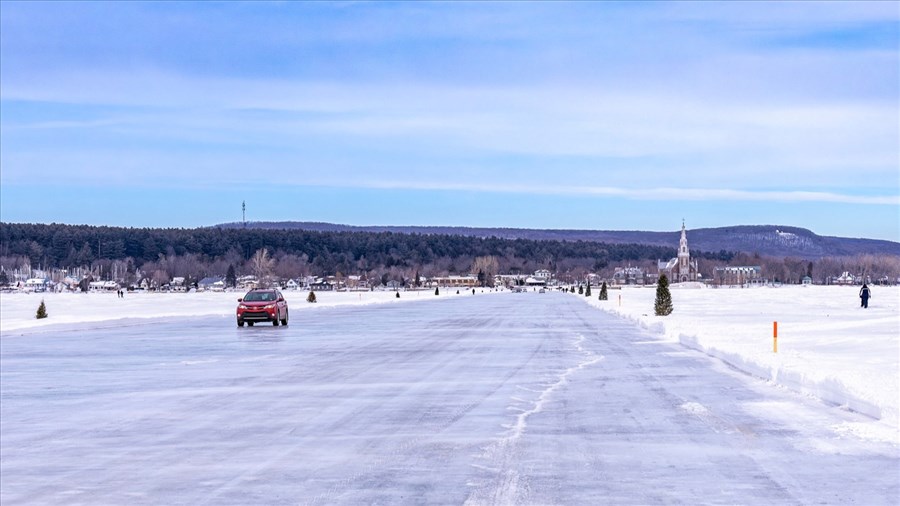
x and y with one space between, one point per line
864 294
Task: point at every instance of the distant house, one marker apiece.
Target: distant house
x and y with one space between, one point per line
321 286
455 281
103 286
806 280
628 276
178 285
247 282
360 283
536 281
509 279
543 274
214 284
291 285
36 284
738 275
845 279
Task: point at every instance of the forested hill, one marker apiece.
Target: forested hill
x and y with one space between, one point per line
327 252
769 240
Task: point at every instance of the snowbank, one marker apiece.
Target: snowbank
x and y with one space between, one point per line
828 346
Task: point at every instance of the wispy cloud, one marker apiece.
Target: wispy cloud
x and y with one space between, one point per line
427 129
660 194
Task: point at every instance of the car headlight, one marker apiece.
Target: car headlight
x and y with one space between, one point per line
243 307
270 306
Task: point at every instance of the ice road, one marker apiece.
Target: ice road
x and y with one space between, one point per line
501 399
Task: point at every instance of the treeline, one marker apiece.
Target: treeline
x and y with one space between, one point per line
318 253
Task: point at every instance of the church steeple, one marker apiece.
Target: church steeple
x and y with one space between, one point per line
684 254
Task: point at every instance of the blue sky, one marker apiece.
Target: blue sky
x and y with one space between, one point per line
535 115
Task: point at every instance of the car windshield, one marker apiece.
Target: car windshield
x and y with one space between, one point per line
259 296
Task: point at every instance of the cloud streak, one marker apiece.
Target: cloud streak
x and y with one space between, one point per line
658 194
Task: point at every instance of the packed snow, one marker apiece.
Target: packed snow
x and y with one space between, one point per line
494 399
828 346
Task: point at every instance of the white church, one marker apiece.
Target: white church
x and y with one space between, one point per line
680 269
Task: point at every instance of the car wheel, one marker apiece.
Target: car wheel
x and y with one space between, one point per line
284 322
249 324
240 323
275 321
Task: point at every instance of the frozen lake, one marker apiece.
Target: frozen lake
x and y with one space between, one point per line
508 399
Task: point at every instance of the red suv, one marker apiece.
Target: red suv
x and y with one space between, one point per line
262 305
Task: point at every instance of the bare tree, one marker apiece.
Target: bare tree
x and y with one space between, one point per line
486 267
261 265
292 266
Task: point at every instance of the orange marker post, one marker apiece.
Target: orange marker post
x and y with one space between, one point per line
775 337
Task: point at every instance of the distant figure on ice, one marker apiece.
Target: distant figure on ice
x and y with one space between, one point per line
864 294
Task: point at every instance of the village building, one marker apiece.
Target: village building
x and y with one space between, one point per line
739 275
681 269
36 284
628 276
455 281
543 274
846 279
247 282
103 286
212 284
321 285
535 281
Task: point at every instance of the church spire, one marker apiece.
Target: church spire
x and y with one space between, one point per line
684 257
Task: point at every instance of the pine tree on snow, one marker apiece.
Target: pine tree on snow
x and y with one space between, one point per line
663 304
41 311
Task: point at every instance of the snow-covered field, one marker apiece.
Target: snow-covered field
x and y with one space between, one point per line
17 310
828 346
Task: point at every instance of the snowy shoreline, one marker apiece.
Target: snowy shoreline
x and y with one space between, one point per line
828 347
17 310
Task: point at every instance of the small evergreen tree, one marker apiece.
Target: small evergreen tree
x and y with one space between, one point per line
436 291
4 279
587 292
603 294
663 304
311 297
580 290
398 295
41 311
230 277
418 280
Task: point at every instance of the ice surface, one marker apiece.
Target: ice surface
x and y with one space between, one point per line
502 399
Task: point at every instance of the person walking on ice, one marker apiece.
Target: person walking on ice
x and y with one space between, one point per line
864 294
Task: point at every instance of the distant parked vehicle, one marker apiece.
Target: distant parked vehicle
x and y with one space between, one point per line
262 305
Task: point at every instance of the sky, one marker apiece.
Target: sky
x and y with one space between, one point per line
583 115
